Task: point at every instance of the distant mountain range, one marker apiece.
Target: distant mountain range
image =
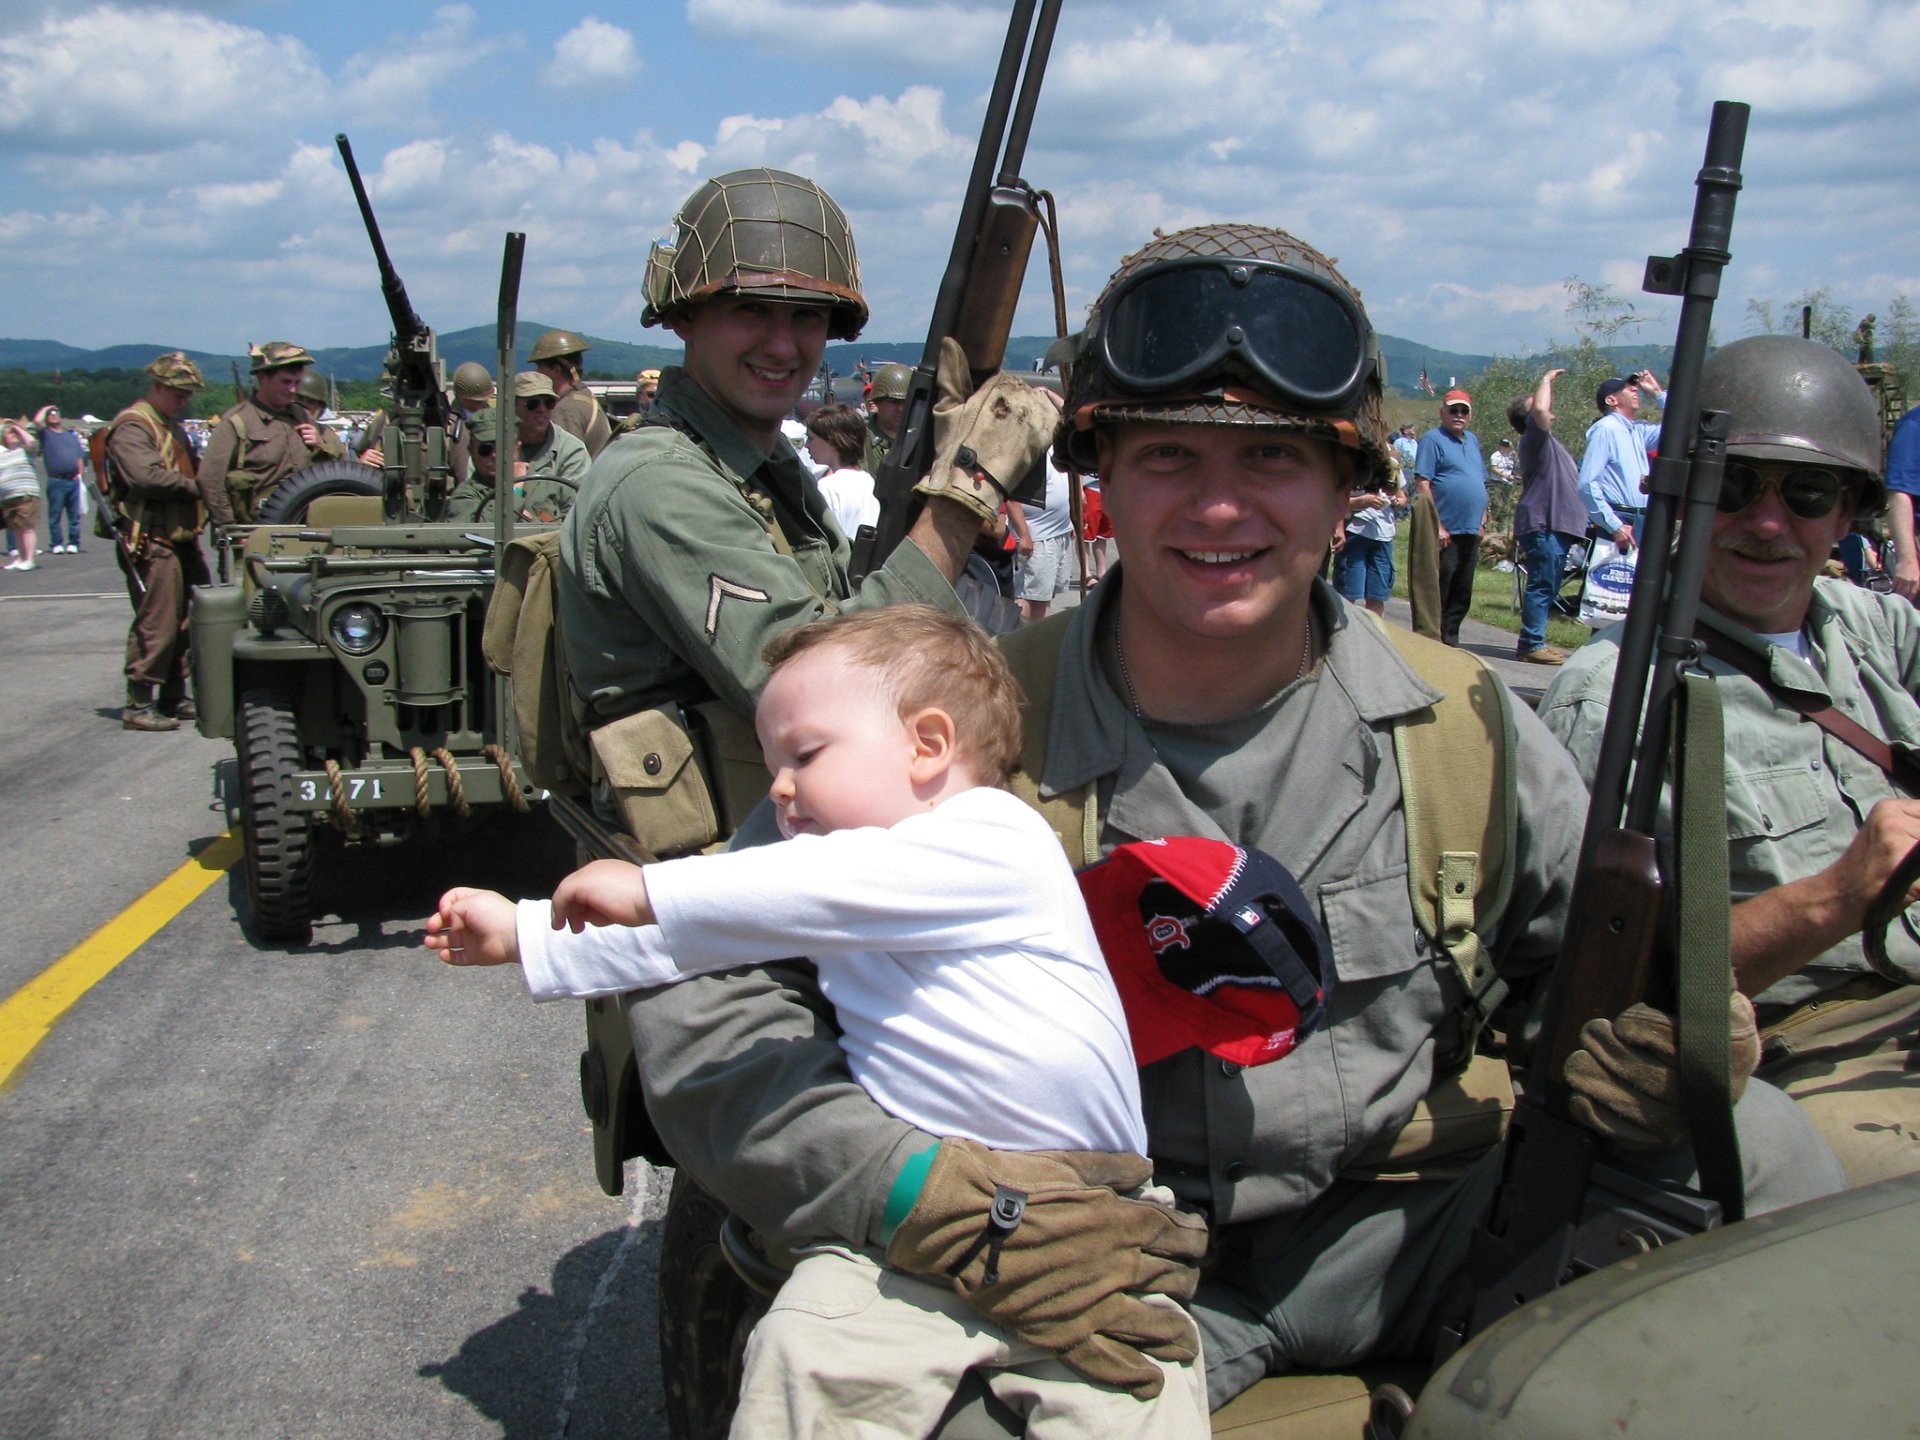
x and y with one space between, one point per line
1405 358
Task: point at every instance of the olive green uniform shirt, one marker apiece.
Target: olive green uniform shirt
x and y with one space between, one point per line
671 581
579 414
251 450
879 443
1796 796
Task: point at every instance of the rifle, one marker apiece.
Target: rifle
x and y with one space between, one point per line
981 285
421 423
239 385
1561 1209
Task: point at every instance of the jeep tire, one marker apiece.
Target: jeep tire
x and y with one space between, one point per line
288 503
277 840
706 1314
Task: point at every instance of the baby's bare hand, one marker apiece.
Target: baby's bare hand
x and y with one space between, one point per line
474 927
607 892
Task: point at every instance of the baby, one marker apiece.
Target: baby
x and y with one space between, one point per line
951 938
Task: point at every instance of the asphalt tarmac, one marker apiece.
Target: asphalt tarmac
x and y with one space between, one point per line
247 1191
254 1192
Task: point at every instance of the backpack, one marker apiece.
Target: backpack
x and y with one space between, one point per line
1457 785
522 639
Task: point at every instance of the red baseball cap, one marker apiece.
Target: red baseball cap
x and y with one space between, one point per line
1458 397
1210 945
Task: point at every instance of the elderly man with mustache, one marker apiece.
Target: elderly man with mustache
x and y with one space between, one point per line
1819 682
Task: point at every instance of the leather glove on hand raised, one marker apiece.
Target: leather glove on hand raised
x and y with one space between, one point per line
1625 1076
998 432
1067 1271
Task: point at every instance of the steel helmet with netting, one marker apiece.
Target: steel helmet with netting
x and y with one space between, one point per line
1228 324
1801 402
758 232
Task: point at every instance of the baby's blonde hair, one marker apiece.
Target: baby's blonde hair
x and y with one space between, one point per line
927 658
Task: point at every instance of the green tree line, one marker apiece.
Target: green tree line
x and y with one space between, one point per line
105 393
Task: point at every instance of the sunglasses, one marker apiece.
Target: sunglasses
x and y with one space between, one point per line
1808 492
1459 410
539 402
486 449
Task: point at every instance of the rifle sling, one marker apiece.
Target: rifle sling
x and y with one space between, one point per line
1848 731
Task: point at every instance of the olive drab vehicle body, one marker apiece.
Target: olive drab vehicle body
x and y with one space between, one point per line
341 649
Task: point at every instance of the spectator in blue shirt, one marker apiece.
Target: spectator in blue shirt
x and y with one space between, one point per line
1616 461
1903 483
1449 470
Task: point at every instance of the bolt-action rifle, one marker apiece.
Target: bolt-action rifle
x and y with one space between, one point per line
1649 916
420 424
239 385
981 286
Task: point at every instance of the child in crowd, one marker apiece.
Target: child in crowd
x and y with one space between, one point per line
952 940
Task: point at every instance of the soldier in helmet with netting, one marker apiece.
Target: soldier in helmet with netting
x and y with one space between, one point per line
260 441
888 403
556 355
1227 390
699 536
1820 813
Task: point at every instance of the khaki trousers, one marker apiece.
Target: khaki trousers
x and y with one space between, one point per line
1852 1060
157 644
1423 567
854 1349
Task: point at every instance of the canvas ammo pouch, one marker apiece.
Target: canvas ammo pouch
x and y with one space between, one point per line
681 779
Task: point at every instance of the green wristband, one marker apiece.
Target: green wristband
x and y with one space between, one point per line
906 1190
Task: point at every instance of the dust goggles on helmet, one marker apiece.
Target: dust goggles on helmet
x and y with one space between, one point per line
1296 337
1806 490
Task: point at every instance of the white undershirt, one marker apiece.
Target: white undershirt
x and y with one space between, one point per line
955 948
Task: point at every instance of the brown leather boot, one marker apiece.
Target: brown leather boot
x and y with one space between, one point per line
140 713
177 703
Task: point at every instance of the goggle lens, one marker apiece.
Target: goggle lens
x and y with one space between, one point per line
1807 492
1181 323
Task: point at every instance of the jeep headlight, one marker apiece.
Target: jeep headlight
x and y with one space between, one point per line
358 629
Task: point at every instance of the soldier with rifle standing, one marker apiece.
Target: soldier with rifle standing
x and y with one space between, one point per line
152 500
260 441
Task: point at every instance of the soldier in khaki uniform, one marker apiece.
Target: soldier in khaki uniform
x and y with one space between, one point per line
539 498
556 355
151 481
327 444
261 441
889 401
544 448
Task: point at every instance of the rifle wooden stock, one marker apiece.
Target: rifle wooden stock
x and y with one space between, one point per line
999 267
1606 963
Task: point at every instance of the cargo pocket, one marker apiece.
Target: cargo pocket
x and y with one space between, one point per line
647 760
1767 811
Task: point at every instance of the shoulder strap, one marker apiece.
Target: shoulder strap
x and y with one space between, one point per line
1033 654
1459 796
1843 727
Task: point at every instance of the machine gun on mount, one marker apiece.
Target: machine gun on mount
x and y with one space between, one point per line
981 285
420 425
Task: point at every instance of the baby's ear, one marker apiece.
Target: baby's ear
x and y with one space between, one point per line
932 730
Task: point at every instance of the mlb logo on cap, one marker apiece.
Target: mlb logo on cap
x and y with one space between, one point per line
1210 945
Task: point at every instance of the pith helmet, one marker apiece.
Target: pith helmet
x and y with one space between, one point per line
557 345
1798 401
759 232
1228 325
471 381
890 382
313 386
276 355
174 369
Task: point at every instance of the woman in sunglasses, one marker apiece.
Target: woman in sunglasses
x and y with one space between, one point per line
1818 680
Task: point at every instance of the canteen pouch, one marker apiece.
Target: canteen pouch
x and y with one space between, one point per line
649 763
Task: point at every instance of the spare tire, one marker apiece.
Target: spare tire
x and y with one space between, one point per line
288 503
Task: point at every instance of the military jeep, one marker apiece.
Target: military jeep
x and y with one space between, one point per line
343 659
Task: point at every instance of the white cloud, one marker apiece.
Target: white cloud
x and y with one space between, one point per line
396 80
141 82
594 55
861 33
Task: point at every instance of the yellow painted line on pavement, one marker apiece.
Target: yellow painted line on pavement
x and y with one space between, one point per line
29 1014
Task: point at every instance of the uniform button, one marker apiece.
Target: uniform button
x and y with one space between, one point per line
1229 1069
651 764
1237 1171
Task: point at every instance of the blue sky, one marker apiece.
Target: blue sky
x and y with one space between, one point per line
167 172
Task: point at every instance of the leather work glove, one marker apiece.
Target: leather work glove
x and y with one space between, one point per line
1625 1076
986 440
1043 1244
